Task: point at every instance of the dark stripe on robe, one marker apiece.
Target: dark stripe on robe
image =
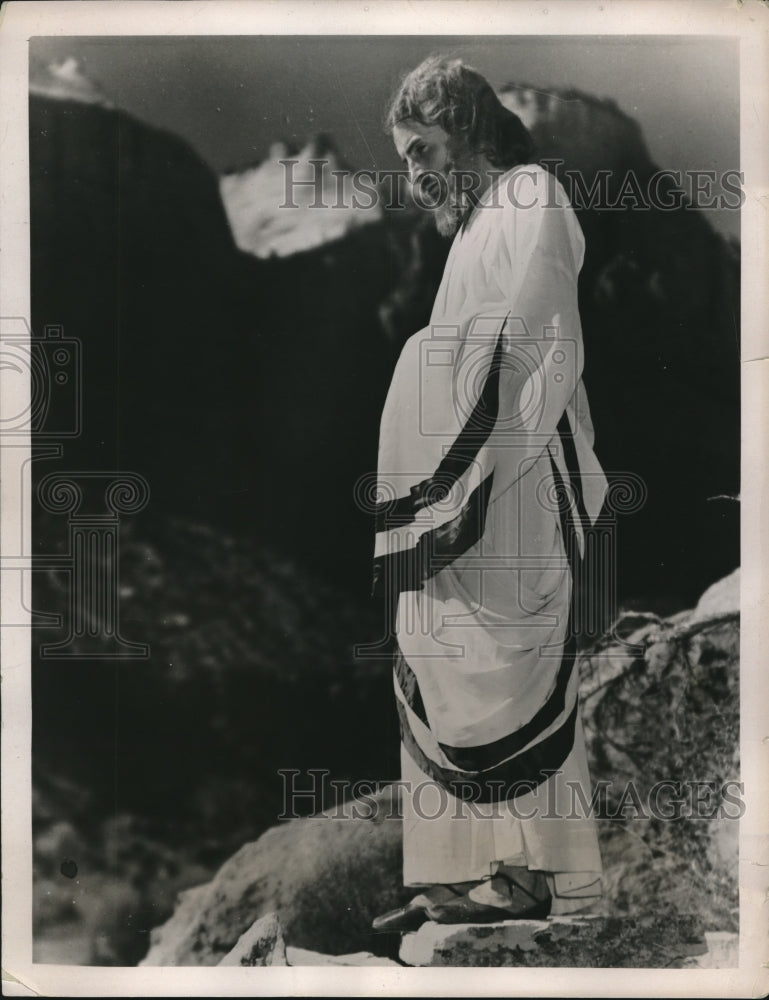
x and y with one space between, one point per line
591 608
508 780
488 754
572 466
456 461
477 758
435 549
487 757
407 682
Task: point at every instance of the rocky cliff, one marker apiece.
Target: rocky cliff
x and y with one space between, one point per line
295 200
666 709
131 254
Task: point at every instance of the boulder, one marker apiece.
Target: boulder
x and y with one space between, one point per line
326 877
170 943
274 210
721 598
660 703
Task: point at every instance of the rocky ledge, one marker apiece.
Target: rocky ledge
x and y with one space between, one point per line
672 941
670 888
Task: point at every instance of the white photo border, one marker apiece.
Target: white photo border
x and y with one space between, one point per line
748 21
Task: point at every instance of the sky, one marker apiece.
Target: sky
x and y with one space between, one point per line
231 97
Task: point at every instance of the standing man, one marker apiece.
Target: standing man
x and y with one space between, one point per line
487 484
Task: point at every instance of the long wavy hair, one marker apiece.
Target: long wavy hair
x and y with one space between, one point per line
445 92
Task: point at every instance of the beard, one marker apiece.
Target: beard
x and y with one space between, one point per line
449 217
456 208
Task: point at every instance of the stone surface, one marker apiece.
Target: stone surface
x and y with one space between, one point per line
668 711
302 956
326 877
665 941
722 598
262 944
276 212
64 80
723 952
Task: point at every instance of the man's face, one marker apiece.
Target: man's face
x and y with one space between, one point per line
435 167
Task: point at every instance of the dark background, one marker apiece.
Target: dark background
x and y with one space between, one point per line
248 393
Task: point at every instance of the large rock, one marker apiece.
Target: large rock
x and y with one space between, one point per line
326 877
660 703
665 940
288 203
720 599
132 256
64 80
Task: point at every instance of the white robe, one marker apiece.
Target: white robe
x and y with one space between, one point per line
482 637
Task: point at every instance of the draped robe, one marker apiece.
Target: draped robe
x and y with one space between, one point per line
487 484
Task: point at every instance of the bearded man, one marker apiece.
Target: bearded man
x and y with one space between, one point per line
487 487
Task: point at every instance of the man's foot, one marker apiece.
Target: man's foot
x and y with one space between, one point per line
403 919
416 912
504 896
521 888
511 894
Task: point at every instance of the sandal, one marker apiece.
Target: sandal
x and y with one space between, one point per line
415 913
466 910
